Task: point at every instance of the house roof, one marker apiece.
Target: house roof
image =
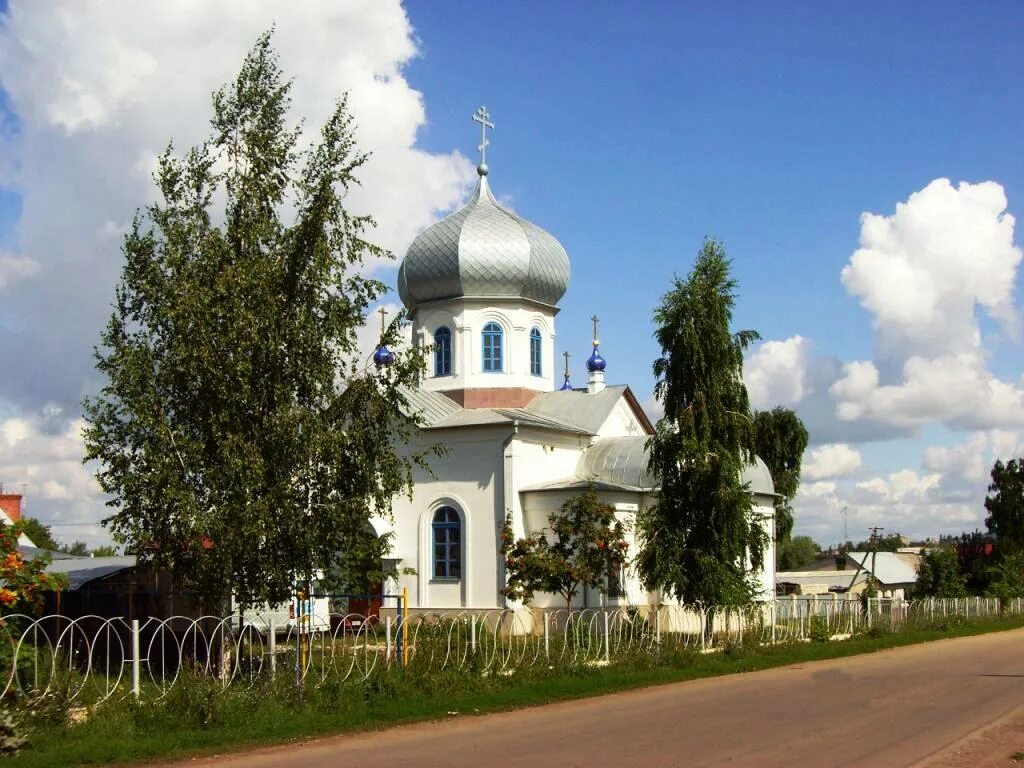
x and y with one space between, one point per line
839 579
468 417
575 411
587 410
79 571
32 553
888 567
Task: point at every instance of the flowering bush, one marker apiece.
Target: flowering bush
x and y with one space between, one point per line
586 547
22 581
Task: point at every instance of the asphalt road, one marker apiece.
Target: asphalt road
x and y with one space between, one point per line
893 708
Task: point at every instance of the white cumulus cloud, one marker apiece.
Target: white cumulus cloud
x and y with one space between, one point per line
830 461
99 88
925 274
924 271
775 373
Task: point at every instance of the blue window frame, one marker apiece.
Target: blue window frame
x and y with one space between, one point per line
492 348
535 342
447 544
443 352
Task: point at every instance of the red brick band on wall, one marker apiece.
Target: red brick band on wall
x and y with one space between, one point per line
497 397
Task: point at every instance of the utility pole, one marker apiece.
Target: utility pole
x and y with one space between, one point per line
875 530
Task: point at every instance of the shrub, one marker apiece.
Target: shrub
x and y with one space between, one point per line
819 631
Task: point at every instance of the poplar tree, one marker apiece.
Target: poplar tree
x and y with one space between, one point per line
243 442
700 532
780 439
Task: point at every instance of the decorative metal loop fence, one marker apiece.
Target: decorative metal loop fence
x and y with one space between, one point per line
92 659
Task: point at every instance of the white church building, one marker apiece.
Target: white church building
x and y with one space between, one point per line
482 288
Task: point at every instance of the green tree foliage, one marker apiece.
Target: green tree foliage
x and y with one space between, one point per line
586 547
1005 505
939 574
797 552
1006 577
105 551
77 548
881 544
239 435
702 529
780 439
40 534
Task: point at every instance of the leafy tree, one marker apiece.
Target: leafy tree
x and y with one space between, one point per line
797 552
40 534
702 529
22 581
976 554
587 548
881 544
1006 577
939 574
240 437
79 548
105 551
1005 505
780 439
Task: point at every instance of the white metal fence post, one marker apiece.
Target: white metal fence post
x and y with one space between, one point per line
387 639
657 625
472 635
272 647
607 639
136 661
547 638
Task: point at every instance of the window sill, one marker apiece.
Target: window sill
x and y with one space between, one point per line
439 580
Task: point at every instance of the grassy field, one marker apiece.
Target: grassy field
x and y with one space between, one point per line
198 717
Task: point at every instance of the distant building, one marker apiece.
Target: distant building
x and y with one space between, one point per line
10 513
895 574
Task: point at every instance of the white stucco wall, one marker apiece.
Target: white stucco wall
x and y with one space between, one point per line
467 477
466 319
621 422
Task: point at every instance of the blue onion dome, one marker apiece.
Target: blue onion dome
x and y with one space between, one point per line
383 356
483 251
566 386
595 362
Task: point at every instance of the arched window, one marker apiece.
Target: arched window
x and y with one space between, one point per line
443 352
492 348
535 367
447 544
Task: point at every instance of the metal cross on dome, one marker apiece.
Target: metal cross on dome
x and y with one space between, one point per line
595 318
383 324
484 119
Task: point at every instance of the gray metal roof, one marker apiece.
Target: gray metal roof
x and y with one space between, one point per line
587 411
79 571
469 417
483 250
887 567
32 553
759 477
619 461
841 579
430 407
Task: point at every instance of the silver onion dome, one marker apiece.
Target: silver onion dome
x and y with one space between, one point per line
483 251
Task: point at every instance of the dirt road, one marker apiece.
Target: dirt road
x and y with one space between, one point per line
912 706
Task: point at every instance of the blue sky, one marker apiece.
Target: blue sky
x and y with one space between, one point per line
632 135
628 131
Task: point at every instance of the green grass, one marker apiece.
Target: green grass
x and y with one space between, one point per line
198 718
